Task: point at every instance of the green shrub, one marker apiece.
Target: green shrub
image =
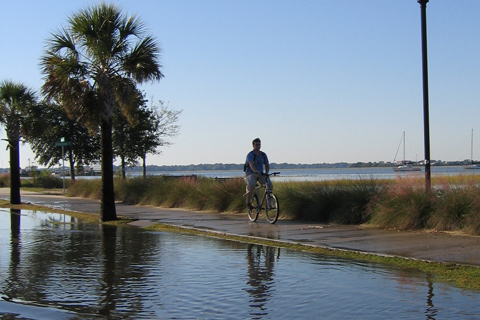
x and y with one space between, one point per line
49 181
4 180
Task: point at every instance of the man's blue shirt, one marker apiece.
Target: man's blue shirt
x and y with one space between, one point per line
258 160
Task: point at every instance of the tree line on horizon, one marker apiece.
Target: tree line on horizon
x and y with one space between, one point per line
277 166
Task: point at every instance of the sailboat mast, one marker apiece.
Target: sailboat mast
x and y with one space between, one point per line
403 146
471 150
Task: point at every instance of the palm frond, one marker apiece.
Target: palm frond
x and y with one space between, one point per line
142 61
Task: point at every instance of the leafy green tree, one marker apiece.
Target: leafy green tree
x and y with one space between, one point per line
15 101
49 122
94 65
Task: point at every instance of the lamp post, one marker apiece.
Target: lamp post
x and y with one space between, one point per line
426 124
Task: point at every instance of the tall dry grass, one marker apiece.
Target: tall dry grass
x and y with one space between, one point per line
342 201
403 204
190 192
86 188
452 205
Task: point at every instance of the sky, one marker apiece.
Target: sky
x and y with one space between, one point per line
318 81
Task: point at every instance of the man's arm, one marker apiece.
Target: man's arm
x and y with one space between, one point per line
252 166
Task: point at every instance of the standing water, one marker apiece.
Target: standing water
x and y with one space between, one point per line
55 267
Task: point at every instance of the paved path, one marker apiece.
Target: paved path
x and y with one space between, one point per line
440 247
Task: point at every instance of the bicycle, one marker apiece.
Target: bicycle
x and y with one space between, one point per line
269 203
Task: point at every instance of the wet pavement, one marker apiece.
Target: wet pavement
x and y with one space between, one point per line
430 246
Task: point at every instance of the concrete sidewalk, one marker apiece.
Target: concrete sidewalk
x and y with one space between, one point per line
439 247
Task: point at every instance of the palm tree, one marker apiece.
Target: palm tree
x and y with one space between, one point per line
93 67
15 100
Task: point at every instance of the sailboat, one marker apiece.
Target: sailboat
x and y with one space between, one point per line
471 165
404 165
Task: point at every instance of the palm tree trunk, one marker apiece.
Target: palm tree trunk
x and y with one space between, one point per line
107 208
14 172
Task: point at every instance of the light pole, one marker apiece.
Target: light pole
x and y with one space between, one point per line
426 124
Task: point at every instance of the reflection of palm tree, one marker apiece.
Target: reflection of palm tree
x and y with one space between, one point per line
14 252
109 243
261 261
431 311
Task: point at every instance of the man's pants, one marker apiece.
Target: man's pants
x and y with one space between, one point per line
251 179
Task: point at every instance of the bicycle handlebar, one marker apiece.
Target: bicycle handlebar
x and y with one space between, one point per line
270 174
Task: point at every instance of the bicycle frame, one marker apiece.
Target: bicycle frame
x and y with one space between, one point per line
269 203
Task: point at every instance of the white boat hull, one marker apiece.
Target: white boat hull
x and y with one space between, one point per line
406 169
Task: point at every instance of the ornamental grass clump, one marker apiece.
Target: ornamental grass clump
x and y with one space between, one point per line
457 208
404 206
135 190
180 193
339 201
220 195
304 201
352 202
86 188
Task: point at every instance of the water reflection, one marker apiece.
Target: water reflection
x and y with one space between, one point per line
14 252
108 289
261 262
431 311
59 268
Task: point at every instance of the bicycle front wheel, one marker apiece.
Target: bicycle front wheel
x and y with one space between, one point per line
253 213
272 208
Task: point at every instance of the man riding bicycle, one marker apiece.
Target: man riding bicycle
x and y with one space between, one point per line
254 164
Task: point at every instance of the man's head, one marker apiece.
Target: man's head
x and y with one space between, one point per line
256 144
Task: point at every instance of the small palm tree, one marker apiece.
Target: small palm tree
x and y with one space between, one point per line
93 67
15 101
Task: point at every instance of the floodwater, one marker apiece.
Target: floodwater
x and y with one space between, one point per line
55 267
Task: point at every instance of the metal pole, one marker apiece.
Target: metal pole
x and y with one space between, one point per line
426 124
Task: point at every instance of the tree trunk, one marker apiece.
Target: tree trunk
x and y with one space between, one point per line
107 208
72 164
123 167
144 166
15 172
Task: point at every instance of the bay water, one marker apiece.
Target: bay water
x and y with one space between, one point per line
53 266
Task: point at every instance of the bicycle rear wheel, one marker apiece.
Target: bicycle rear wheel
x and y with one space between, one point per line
253 213
272 208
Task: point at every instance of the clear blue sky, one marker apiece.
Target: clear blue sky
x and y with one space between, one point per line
318 81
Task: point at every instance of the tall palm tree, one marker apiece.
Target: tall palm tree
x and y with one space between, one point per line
93 67
15 100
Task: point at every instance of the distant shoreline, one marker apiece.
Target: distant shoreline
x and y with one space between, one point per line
277 166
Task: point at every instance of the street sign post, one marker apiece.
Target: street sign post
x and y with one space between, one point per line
63 144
